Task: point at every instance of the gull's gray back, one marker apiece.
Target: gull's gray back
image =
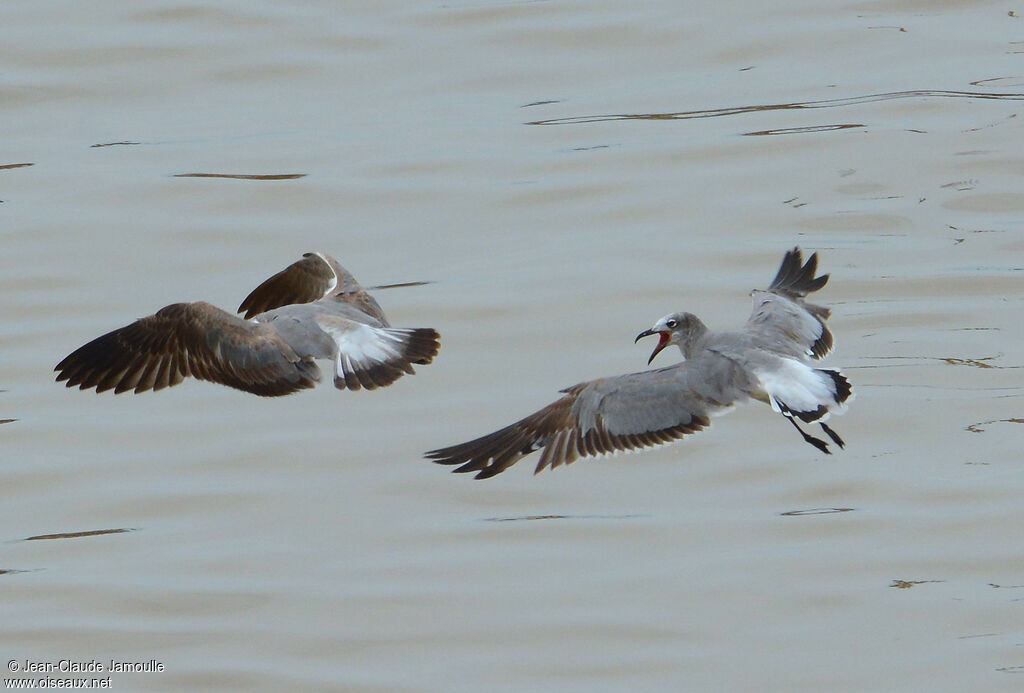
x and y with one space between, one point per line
297 324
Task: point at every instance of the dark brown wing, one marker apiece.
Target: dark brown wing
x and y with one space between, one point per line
315 276
189 339
594 418
304 281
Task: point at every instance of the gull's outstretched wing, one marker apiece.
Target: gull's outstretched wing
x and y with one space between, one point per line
622 413
189 339
316 276
782 321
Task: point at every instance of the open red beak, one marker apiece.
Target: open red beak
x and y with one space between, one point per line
662 342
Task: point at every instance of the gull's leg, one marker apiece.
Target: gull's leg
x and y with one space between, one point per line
832 434
816 442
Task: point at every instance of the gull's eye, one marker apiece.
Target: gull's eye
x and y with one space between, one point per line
671 324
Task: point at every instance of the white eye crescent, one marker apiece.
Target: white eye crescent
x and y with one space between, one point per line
671 324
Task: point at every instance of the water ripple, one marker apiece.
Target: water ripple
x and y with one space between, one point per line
76 535
825 103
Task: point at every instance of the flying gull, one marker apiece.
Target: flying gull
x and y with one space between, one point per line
313 309
768 360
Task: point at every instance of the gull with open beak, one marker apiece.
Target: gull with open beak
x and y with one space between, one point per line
684 329
768 360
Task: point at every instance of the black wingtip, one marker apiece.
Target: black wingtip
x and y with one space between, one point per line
842 384
797 277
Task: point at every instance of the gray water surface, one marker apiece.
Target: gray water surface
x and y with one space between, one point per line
564 173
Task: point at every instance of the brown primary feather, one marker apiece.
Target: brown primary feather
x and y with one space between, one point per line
315 276
162 349
556 430
303 281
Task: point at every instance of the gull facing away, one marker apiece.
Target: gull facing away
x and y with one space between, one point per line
313 309
768 360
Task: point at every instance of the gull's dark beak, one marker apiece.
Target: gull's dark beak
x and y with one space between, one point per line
664 337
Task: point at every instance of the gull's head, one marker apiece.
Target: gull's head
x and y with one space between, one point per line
674 328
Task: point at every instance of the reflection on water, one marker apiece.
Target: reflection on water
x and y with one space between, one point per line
528 518
978 427
823 103
816 511
907 584
977 363
809 128
243 176
76 535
